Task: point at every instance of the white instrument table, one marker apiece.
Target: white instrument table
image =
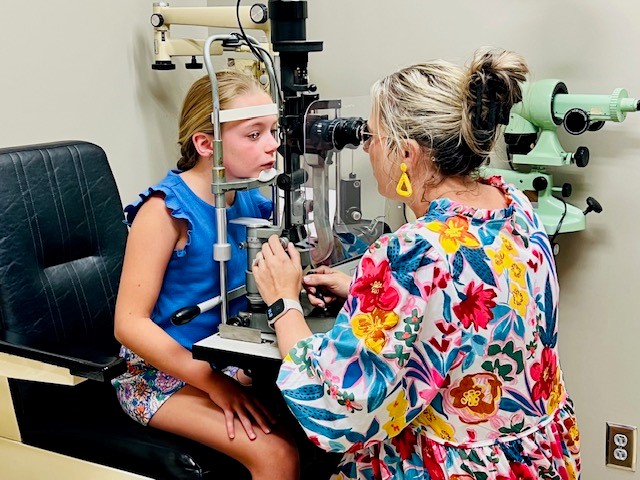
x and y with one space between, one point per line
268 349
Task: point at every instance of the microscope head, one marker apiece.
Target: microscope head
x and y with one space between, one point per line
531 135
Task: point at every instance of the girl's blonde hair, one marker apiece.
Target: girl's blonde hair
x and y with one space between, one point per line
198 105
453 112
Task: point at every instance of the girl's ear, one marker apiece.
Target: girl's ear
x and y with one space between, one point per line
203 143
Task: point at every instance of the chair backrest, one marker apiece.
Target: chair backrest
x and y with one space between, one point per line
62 242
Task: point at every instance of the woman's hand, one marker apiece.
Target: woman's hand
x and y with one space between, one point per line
324 285
236 401
277 272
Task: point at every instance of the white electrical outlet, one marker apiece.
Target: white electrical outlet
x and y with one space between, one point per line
621 446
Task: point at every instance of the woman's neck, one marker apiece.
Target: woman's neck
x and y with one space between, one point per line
468 192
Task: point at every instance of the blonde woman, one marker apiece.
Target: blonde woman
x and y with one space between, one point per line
443 362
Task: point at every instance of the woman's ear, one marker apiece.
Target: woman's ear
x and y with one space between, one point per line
411 153
203 143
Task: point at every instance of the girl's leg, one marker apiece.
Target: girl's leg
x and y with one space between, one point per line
191 413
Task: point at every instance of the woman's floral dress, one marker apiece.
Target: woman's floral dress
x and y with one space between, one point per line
443 362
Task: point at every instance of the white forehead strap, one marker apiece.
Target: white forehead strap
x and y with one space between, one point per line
244 113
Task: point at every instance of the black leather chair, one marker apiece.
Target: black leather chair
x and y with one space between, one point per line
61 247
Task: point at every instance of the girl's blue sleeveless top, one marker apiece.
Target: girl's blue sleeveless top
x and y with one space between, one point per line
192 276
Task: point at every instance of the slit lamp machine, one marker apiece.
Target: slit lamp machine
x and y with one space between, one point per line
312 135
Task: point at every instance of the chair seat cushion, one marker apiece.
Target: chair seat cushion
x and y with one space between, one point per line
86 421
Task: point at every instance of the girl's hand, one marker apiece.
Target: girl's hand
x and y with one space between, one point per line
278 272
324 285
236 401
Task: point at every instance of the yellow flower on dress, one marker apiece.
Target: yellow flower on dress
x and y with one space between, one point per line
397 410
440 427
517 273
503 258
371 327
454 232
500 259
507 245
556 395
519 300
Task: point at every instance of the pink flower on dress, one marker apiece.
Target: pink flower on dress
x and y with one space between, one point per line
544 373
409 305
374 287
477 307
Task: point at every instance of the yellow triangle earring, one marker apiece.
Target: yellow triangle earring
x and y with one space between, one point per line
403 188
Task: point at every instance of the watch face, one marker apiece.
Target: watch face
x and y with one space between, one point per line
275 309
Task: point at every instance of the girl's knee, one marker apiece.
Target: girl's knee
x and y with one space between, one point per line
277 450
284 447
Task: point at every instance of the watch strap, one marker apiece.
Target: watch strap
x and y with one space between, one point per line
280 307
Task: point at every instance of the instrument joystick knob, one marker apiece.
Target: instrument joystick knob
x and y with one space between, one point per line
592 206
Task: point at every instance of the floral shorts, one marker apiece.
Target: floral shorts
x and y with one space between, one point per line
142 389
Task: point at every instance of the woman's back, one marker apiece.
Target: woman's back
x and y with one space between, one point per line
445 354
490 322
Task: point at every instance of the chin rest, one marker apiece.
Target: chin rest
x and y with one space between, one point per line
62 242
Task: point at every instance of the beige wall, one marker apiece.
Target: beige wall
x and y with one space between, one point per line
80 69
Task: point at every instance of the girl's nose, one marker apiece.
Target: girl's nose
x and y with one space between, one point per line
273 144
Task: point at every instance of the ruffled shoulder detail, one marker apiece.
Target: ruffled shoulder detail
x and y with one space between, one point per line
445 206
166 188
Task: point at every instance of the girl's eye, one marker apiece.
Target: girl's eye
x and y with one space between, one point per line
274 133
254 135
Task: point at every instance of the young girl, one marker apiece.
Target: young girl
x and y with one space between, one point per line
169 264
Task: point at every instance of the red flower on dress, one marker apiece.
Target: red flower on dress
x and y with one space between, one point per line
519 471
405 443
544 373
522 472
373 287
476 308
572 435
431 464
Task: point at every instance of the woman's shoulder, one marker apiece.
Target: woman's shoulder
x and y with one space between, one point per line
409 241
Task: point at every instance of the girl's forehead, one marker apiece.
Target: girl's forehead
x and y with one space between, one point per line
250 99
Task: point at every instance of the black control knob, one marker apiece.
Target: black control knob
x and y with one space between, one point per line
193 64
185 315
565 190
592 206
539 184
581 157
163 65
239 321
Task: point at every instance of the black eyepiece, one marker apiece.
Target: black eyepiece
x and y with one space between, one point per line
338 133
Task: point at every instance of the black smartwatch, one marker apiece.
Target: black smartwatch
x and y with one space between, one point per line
280 307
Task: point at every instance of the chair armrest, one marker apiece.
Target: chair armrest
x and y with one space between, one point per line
82 361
